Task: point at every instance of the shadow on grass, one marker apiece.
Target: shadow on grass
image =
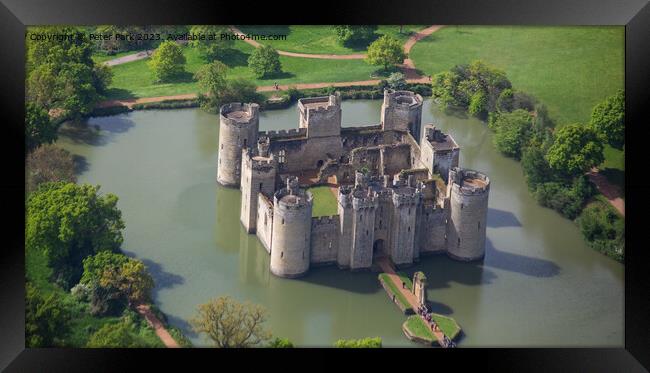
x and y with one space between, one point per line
384 73
233 57
361 44
280 75
182 77
119 94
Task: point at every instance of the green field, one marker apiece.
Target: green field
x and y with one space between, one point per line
320 39
569 69
325 203
134 79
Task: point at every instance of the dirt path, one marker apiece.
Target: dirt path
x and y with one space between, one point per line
610 191
161 332
129 58
129 102
410 297
408 67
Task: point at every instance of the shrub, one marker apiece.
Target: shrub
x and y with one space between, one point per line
351 34
512 131
281 343
359 343
575 150
567 200
603 229
396 81
48 163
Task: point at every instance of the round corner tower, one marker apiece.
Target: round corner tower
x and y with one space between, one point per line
291 237
238 129
402 111
468 218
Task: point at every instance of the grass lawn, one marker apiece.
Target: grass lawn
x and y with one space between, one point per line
417 327
391 285
134 79
448 325
324 201
320 39
569 69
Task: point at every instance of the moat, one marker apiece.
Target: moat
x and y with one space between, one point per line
539 285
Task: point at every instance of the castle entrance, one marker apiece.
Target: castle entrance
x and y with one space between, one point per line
379 249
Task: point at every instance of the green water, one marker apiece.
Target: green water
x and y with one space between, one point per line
539 285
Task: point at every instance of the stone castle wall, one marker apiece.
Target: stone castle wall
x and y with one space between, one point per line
264 228
324 240
258 176
468 215
290 248
238 128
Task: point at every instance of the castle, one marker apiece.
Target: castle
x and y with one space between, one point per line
400 194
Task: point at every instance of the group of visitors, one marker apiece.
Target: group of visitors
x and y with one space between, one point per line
426 315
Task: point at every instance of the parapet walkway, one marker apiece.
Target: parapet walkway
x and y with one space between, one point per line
387 267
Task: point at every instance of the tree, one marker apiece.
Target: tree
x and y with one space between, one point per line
229 323
385 51
117 335
535 166
212 45
608 119
62 74
167 61
39 129
48 163
264 62
45 318
576 149
353 34
359 343
212 78
396 81
118 277
69 222
281 343
512 132
476 87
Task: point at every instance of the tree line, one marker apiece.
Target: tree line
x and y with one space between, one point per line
554 160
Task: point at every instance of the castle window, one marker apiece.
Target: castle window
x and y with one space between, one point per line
458 241
244 142
222 146
282 254
409 229
380 224
479 225
282 220
264 220
281 156
330 245
261 186
361 217
461 206
367 232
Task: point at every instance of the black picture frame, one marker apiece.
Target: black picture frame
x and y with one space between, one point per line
15 15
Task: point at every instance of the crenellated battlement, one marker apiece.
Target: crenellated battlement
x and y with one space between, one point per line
408 196
468 182
321 116
279 134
